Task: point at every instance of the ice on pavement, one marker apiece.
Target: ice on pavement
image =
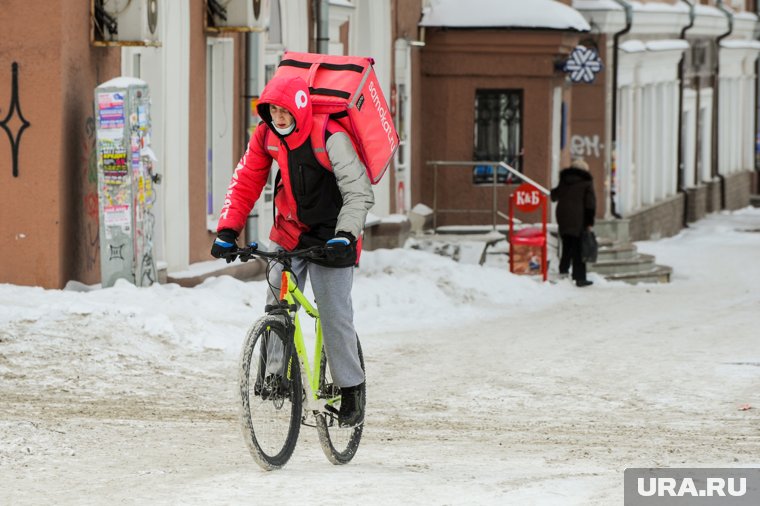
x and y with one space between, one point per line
483 387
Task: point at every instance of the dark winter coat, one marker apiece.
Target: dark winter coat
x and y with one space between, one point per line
576 201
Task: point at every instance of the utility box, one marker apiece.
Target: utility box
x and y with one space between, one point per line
134 22
239 15
125 181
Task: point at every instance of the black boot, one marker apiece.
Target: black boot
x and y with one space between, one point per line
351 406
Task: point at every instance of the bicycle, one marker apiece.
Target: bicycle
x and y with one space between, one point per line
273 359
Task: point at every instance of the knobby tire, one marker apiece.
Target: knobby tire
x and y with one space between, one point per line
339 445
270 418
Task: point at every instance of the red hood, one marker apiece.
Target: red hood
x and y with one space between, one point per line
292 93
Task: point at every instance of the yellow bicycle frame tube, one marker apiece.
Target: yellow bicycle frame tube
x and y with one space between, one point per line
290 293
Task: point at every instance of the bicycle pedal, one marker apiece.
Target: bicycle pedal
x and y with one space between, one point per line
331 409
345 426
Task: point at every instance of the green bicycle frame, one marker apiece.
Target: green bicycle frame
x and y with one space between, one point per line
290 292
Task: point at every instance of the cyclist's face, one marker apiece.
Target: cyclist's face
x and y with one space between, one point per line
281 117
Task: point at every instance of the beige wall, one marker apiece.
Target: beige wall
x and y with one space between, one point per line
588 125
48 215
200 237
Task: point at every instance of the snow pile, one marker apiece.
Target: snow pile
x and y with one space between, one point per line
503 13
393 289
407 289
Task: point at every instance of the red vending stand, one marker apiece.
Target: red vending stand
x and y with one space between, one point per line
527 247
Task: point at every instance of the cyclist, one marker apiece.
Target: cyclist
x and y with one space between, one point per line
313 206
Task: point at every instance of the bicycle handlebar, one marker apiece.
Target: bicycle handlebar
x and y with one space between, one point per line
251 251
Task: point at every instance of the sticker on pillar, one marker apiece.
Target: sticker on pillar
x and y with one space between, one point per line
118 217
583 65
111 110
114 162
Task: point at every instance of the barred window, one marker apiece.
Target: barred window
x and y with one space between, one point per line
498 132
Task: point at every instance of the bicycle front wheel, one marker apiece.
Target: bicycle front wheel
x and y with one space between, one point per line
270 390
338 444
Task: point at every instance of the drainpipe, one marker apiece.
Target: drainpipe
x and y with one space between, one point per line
681 73
322 17
615 49
757 116
716 105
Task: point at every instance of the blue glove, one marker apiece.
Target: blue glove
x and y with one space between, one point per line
224 244
340 246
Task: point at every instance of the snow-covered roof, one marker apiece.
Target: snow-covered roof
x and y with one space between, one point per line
633 46
750 16
612 5
638 46
668 45
541 14
658 7
607 5
123 82
708 10
740 44
650 19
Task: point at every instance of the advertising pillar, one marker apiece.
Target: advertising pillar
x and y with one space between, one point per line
125 182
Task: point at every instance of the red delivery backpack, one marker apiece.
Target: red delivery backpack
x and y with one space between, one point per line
346 90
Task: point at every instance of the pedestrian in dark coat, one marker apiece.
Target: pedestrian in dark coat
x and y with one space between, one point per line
576 207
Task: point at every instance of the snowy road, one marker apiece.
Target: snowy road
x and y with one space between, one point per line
539 394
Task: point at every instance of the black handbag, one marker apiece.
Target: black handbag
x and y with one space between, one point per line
589 246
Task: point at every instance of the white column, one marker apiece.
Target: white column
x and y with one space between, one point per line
723 124
672 167
627 184
370 35
706 98
166 70
689 137
653 130
748 148
639 148
176 69
663 141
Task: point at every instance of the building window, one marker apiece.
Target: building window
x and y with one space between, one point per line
274 34
219 114
498 133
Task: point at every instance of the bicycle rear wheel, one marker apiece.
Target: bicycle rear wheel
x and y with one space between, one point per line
338 444
270 390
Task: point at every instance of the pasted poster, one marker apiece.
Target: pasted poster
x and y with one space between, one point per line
136 157
111 110
117 218
114 158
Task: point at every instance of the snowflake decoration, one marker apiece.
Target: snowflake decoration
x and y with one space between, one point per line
583 65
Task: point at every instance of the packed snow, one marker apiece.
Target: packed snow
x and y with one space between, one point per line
483 387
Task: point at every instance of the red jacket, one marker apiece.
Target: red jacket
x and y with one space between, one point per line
252 171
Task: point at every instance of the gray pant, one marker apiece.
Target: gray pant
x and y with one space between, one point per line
332 290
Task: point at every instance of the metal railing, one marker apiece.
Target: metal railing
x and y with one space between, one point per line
494 211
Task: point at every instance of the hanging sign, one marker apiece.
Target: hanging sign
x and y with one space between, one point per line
583 65
527 198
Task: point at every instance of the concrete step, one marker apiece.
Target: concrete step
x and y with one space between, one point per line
616 252
635 265
657 274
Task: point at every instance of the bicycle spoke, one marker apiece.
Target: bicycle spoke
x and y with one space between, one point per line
271 403
338 444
